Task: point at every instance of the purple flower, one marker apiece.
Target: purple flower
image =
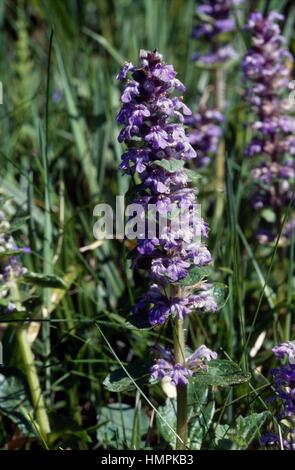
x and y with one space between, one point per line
151 116
157 138
57 96
124 71
217 21
284 385
130 91
285 349
165 365
200 357
199 253
27 250
177 372
134 160
10 265
289 229
205 133
267 76
203 302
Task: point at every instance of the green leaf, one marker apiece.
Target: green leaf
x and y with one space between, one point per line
197 403
44 280
192 176
15 315
220 293
245 431
14 403
115 425
118 380
197 398
200 426
221 372
196 275
247 428
171 166
168 412
222 440
7 254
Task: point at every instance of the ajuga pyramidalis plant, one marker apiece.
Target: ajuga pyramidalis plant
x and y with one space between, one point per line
267 77
205 132
214 21
157 149
284 386
11 273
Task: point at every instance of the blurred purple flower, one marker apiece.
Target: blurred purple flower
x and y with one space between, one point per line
204 133
284 385
57 96
267 77
10 265
215 19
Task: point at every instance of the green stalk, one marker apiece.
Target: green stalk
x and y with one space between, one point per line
33 382
181 427
220 164
30 369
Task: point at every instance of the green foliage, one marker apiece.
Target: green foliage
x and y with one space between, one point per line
119 381
222 373
170 166
241 436
116 425
44 280
13 401
200 415
195 276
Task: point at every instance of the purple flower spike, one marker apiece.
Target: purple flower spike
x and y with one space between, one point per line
267 78
284 385
152 120
215 18
205 133
157 149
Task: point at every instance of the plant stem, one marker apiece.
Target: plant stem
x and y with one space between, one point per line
30 368
33 381
179 347
219 169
